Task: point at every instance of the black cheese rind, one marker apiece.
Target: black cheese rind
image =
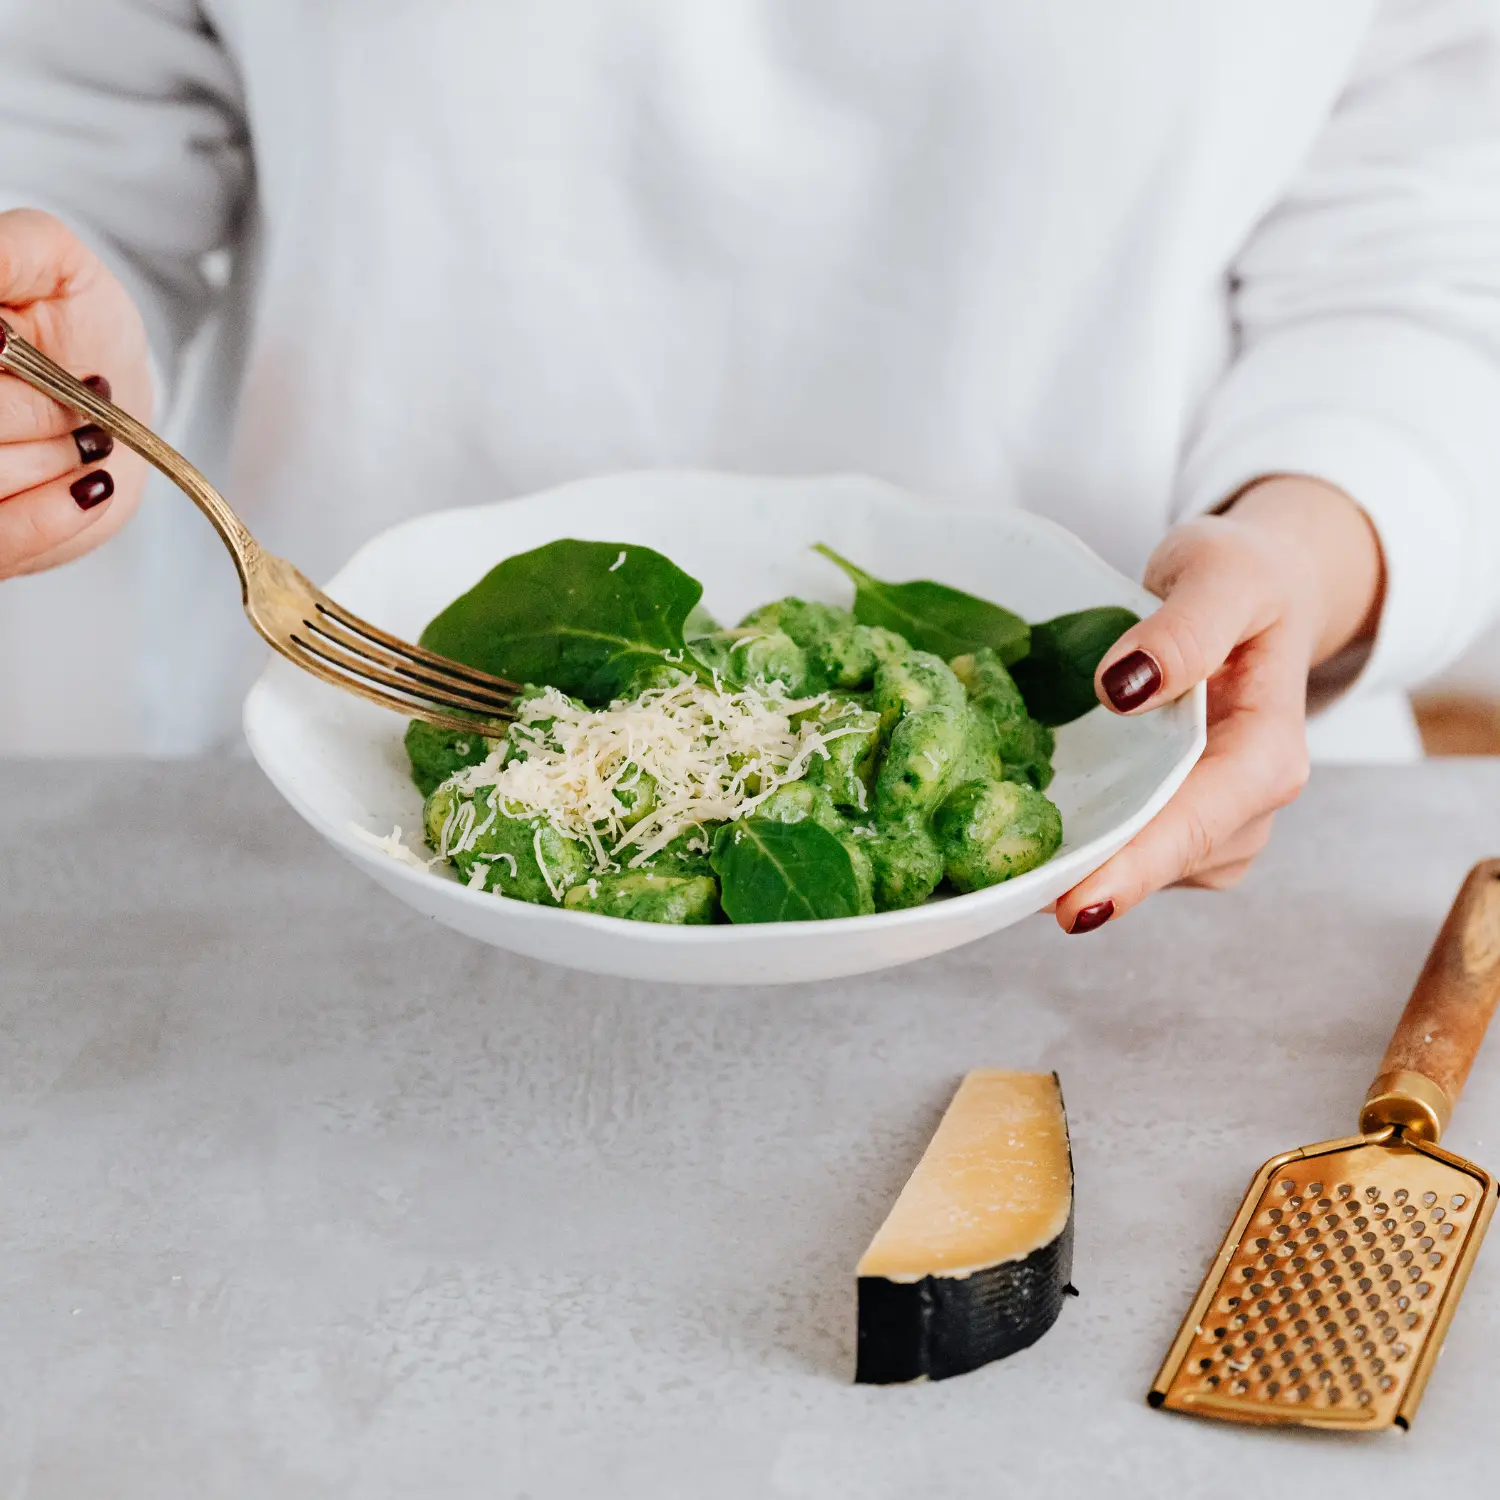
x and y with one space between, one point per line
949 1325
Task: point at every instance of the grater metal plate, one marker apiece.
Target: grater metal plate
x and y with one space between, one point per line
1327 1303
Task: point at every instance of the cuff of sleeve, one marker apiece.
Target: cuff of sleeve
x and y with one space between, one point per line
1398 418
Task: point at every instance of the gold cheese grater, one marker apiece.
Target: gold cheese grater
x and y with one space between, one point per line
1327 1303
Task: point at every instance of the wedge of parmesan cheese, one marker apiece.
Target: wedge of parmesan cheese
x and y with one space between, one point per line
975 1257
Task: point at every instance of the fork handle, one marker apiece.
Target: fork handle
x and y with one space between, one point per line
1444 1022
28 363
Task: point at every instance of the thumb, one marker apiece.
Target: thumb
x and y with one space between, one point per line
1214 597
39 257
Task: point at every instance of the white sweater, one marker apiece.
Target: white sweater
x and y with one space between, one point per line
1105 261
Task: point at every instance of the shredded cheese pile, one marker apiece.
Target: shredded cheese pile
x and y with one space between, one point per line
714 755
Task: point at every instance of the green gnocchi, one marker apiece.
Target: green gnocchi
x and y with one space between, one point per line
805 763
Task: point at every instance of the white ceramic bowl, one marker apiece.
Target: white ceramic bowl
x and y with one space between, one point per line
340 762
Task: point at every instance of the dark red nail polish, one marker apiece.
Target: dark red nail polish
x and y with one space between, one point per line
1131 681
94 444
1093 916
100 387
93 489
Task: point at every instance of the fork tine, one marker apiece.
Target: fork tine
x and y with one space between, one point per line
318 667
414 653
430 681
362 669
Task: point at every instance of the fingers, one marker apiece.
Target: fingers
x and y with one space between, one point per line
43 266
26 415
1256 762
43 524
1217 594
25 466
1233 856
40 258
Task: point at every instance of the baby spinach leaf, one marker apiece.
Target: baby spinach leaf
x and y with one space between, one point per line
783 872
1056 678
932 616
582 617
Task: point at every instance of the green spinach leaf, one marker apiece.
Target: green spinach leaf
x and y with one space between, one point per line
1056 678
783 872
582 617
932 616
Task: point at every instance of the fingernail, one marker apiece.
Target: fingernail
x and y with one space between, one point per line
93 489
1093 916
100 387
1131 681
94 443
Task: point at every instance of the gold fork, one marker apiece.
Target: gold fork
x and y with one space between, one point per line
291 615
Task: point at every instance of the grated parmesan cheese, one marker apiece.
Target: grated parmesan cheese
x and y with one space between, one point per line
713 754
393 845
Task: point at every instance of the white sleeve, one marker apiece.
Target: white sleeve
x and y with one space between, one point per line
1367 308
124 119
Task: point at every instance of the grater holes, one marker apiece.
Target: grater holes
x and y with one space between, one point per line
1344 1190
1435 1259
1397 1241
1446 1230
1399 1351
1419 1227
1314 1188
1428 1199
1381 1210
1426 1242
1400 1196
1372 1194
1409 1212
1437 1215
1360 1222
1458 1200
1412 1319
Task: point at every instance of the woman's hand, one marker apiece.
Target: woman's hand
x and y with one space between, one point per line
57 497
1252 599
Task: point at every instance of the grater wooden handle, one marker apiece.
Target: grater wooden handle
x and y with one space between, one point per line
1444 1022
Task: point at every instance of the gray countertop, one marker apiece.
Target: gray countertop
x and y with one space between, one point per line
302 1196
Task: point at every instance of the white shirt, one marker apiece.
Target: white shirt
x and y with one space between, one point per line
1105 261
